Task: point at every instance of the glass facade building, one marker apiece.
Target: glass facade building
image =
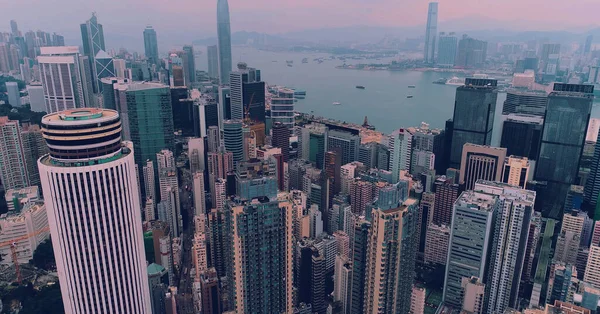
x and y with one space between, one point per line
474 110
224 41
563 138
150 45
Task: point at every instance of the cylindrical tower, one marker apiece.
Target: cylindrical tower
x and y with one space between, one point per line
92 199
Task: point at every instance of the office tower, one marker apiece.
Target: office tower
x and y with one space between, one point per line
120 68
224 104
92 35
213 138
66 78
199 195
587 47
14 29
391 255
189 65
13 165
592 184
220 164
224 41
399 143
311 277
146 107
196 154
313 143
342 287
282 107
213 61
521 135
150 45
14 95
34 147
148 172
544 259
471 53
446 193
260 281
481 162
422 162
347 142
473 120
548 50
533 237
104 67
436 245
256 178
233 138
516 171
247 93
361 231
119 247
5 57
207 109
592 269
280 138
590 297
507 253
447 45
431 33
210 292
525 102
562 283
563 138
474 294
472 231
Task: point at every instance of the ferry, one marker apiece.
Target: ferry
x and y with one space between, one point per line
411 86
409 96
441 81
360 87
456 81
335 103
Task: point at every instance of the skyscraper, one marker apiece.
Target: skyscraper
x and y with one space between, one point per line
346 142
282 107
446 193
247 94
224 41
563 138
66 78
281 138
474 110
34 147
233 139
14 95
213 61
13 166
150 45
14 29
145 108
447 45
189 64
400 145
92 35
361 232
510 241
431 33
516 171
525 102
521 135
260 280
90 270
471 53
481 162
592 184
472 231
390 260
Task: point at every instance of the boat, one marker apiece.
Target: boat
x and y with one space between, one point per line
289 61
456 81
360 87
299 92
305 60
409 96
335 103
411 86
290 65
441 81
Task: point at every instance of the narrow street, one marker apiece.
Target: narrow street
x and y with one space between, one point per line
185 300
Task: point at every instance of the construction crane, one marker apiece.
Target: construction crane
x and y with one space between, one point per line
13 248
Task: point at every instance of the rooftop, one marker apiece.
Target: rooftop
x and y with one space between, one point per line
80 116
476 200
137 86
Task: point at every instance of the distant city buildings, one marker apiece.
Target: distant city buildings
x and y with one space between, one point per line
431 33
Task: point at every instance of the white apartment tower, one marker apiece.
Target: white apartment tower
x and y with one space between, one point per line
91 195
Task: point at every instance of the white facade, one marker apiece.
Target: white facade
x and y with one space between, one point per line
21 229
36 98
14 95
342 285
94 215
149 180
400 145
347 176
592 269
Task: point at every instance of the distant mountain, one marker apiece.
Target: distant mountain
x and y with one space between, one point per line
243 38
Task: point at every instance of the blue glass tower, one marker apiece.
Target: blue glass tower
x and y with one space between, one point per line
224 41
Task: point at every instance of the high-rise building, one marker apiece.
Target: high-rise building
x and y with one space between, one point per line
213 138
247 93
592 184
472 231
13 165
436 245
5 63
92 35
116 257
199 195
211 293
224 41
342 286
280 138
14 95
282 108
150 45
361 194
481 162
14 29
474 110
213 61
471 53
391 255
400 143
563 138
189 65
474 295
592 269
525 102
313 143
447 45
146 109
548 50
66 78
510 240
361 231
446 193
104 68
516 171
521 135
256 178
34 147
431 33
347 142
260 281
233 139
196 155
417 300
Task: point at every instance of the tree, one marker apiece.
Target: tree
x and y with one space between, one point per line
43 257
47 300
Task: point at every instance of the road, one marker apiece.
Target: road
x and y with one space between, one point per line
185 301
